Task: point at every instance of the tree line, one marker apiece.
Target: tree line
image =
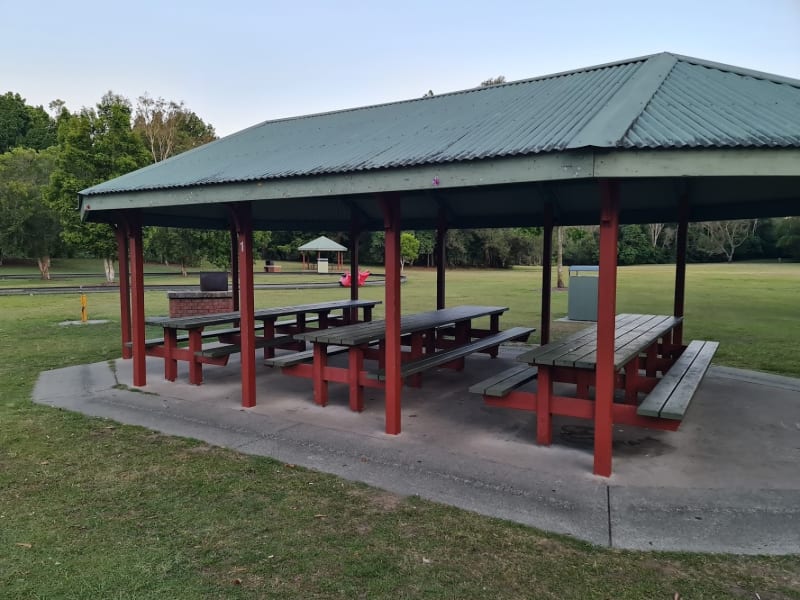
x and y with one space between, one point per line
48 156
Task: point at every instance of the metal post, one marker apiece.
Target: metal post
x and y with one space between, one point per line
241 214
547 273
234 268
606 313
391 219
137 300
680 265
124 288
441 258
354 235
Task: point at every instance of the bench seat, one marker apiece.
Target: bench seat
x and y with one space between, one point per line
671 397
502 383
228 349
212 333
288 360
440 358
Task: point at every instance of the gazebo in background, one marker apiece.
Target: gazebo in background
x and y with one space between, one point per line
320 245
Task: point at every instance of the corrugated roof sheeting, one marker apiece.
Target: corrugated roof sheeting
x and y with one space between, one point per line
520 118
698 104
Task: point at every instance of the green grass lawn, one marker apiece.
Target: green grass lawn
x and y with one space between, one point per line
92 509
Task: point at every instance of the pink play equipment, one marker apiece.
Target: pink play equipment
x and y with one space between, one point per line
344 280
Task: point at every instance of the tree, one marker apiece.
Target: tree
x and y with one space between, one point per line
560 261
171 245
28 228
216 247
789 236
427 245
723 237
24 126
93 146
654 232
169 128
409 248
493 81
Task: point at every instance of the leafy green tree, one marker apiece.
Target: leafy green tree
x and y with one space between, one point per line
93 146
216 247
427 245
635 246
171 245
23 125
28 228
409 248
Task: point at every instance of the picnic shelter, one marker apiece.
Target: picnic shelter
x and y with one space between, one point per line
660 138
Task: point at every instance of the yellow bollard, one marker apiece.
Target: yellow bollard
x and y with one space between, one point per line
84 317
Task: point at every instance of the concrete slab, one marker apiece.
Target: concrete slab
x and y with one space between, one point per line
727 481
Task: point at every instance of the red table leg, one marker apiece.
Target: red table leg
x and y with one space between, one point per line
320 385
195 366
355 365
544 421
170 363
632 381
416 353
269 334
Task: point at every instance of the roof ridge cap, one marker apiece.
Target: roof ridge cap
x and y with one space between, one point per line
607 128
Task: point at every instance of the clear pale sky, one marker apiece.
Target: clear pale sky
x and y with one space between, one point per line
237 63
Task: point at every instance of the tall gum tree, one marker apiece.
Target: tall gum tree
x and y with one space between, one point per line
167 128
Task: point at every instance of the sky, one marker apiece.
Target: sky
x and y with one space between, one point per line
238 63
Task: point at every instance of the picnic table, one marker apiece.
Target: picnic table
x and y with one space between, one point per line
434 338
274 333
647 360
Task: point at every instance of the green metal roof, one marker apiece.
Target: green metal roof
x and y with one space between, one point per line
665 126
322 244
660 101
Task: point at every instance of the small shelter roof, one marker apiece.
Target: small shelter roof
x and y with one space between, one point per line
322 244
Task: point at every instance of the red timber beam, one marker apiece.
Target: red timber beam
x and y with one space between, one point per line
441 257
390 204
606 313
547 273
123 257
680 265
134 232
242 222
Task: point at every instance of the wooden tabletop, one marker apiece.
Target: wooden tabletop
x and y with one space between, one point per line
633 334
262 314
374 331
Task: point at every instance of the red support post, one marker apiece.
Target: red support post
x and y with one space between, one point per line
391 218
547 274
234 269
137 300
124 287
241 213
680 265
441 258
354 235
606 314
